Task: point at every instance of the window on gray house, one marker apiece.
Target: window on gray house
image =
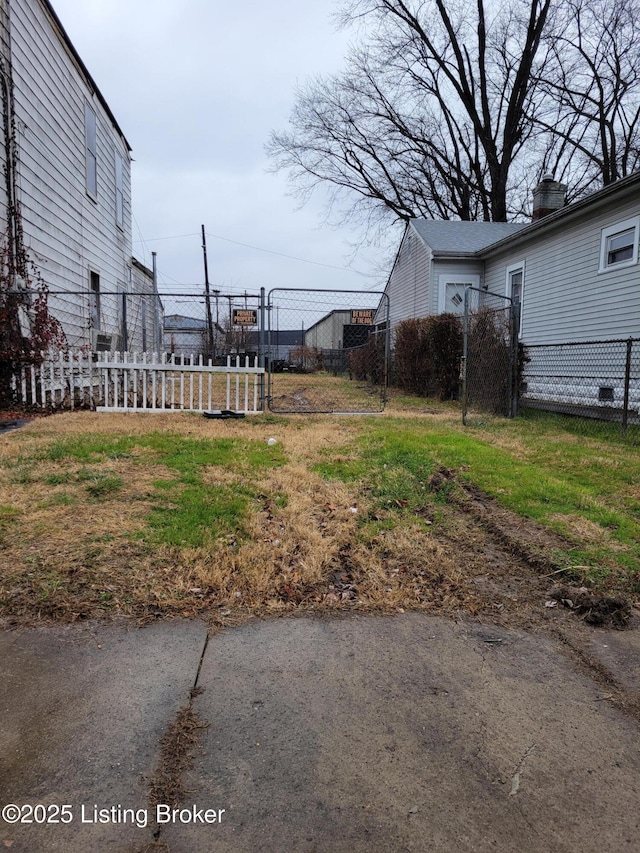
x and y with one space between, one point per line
515 280
620 246
119 163
91 151
94 301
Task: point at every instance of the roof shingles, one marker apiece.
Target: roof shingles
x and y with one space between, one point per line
451 236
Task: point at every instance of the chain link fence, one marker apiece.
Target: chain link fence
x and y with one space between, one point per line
327 351
324 351
490 361
185 325
63 331
592 384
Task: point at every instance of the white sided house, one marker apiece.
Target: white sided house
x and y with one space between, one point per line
67 197
574 272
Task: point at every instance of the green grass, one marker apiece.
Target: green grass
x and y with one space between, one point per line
8 514
187 511
534 467
195 515
585 486
102 485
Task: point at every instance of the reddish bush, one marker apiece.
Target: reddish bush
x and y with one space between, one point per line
367 362
426 356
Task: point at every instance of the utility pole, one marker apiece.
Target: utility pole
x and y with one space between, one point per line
158 330
207 295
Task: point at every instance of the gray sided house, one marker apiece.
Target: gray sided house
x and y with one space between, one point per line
577 268
436 261
66 199
185 336
145 312
574 271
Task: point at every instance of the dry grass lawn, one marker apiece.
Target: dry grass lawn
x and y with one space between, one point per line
156 515
73 532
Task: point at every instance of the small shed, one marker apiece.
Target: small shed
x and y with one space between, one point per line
185 335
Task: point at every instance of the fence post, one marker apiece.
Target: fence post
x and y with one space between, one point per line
124 330
463 362
387 350
514 377
261 347
627 380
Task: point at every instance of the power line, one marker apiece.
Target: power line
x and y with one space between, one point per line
261 249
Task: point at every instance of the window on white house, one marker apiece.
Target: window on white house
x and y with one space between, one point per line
119 163
94 300
91 151
619 244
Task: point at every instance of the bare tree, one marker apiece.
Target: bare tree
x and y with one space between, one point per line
429 118
454 109
592 91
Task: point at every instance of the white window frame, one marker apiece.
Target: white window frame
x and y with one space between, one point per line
119 188
444 279
511 269
611 231
91 150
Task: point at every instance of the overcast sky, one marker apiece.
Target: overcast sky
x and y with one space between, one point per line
197 87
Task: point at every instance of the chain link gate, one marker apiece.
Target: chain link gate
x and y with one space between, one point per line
327 351
490 360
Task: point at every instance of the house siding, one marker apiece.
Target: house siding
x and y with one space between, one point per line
144 312
67 233
328 332
5 64
409 286
565 297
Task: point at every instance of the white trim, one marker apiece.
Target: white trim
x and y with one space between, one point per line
444 279
513 268
617 228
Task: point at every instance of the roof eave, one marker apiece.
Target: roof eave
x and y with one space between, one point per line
450 255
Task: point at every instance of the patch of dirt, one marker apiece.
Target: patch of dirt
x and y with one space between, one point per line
519 535
177 749
609 611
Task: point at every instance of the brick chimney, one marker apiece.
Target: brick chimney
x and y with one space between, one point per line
548 196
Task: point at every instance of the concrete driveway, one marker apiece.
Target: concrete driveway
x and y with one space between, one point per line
404 733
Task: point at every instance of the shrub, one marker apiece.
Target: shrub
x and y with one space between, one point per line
366 363
427 354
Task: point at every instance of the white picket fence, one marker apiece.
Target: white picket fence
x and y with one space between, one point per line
142 382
